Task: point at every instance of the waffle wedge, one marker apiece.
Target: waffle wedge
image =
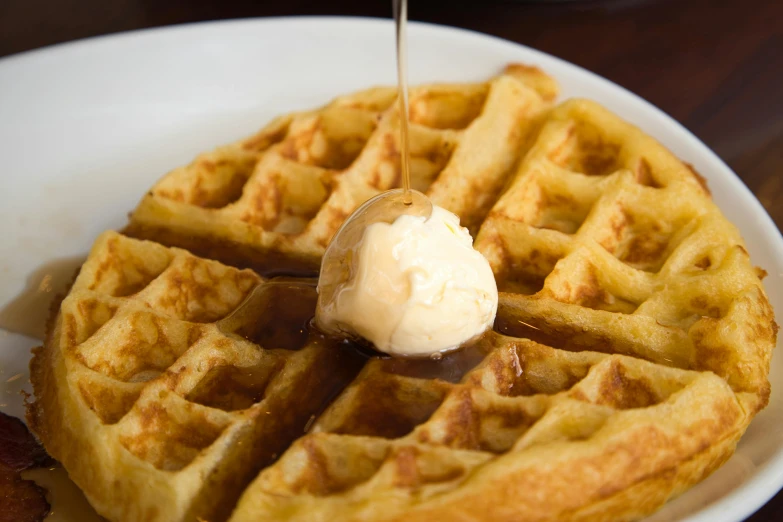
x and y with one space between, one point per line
278 197
630 352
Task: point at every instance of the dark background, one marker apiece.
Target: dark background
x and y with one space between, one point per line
716 66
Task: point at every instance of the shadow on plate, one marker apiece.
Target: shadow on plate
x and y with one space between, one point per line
28 312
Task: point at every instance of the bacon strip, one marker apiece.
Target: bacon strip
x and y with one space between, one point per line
20 500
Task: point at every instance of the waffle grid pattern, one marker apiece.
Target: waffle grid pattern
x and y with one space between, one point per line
285 191
604 223
167 381
428 437
602 242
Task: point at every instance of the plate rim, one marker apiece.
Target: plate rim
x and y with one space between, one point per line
767 481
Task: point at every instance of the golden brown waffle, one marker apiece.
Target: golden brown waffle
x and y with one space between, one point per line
630 351
532 433
277 198
605 237
160 402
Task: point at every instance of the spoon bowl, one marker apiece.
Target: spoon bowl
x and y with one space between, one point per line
337 263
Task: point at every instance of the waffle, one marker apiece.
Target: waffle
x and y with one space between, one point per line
630 352
160 396
277 198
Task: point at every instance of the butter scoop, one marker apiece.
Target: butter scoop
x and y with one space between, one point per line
416 287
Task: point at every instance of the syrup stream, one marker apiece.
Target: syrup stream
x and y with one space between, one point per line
400 24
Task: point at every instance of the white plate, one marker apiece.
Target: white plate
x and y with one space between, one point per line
87 127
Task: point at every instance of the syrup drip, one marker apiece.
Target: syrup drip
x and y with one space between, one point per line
278 314
450 367
400 25
513 327
67 501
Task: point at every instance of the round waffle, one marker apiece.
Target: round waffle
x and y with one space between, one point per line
630 352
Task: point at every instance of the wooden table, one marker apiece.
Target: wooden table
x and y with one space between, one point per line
716 66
